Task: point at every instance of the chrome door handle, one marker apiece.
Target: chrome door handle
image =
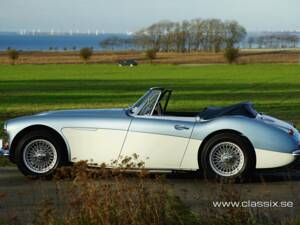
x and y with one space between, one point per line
181 127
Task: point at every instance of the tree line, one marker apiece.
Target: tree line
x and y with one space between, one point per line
273 40
84 53
185 36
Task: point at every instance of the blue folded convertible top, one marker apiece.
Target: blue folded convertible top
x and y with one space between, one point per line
243 109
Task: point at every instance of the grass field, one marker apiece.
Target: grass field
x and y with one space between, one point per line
27 89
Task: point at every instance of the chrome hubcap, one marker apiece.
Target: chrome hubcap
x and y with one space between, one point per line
40 156
226 159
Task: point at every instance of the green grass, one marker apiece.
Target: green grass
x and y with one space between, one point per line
27 89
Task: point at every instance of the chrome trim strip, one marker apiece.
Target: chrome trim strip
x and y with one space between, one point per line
186 148
296 153
156 102
170 135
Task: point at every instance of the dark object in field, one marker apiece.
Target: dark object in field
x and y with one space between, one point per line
129 62
13 54
231 54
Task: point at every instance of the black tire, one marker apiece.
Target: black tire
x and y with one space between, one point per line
42 134
238 140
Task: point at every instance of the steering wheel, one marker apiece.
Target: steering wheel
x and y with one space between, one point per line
158 110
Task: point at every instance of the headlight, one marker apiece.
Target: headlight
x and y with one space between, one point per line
5 141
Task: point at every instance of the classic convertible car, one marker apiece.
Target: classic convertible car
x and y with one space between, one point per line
223 142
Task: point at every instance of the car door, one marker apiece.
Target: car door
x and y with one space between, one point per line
96 136
95 145
158 140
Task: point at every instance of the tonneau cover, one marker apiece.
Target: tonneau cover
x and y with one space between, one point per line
243 109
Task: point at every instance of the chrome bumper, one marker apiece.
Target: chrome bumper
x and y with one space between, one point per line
296 153
3 152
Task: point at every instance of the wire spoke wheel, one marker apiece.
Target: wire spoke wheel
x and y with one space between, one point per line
226 159
40 156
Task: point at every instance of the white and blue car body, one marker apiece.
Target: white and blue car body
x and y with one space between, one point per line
221 141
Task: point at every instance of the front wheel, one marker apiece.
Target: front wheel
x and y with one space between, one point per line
39 153
227 157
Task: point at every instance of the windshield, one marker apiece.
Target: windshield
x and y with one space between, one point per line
149 104
134 108
145 105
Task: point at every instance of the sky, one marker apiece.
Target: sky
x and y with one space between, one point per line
130 15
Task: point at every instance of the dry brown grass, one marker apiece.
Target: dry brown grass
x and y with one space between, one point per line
247 57
110 197
101 196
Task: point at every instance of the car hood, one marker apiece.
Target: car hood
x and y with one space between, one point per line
84 113
99 118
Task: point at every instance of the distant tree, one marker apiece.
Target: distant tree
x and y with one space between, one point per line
250 41
117 42
294 39
151 54
142 40
260 41
277 40
189 35
13 54
183 36
234 33
110 42
198 35
231 55
50 48
86 54
74 48
65 49
215 34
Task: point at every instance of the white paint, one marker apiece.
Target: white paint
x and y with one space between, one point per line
95 145
270 159
190 159
157 151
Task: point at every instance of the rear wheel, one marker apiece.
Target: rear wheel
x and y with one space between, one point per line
227 157
39 153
